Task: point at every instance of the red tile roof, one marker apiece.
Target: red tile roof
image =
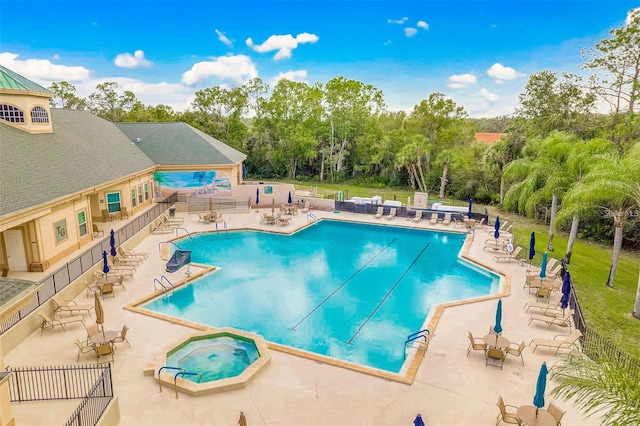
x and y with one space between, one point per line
489 138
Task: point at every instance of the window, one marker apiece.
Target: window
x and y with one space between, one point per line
146 191
39 115
11 114
133 197
140 194
82 223
113 202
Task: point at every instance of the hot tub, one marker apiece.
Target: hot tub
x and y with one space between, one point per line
212 361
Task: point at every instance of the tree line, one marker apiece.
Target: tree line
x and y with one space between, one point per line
560 161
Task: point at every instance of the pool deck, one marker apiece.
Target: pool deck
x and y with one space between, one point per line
449 387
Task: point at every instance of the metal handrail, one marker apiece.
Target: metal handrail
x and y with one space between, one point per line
416 336
313 217
167 367
185 230
225 227
183 373
164 277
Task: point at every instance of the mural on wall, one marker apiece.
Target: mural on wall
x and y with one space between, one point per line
204 183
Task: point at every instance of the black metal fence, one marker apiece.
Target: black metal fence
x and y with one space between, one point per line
65 275
597 347
401 211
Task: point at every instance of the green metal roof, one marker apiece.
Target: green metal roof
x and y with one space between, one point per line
180 144
9 80
83 151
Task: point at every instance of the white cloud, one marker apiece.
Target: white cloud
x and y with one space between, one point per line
137 60
630 14
386 43
397 21
423 25
43 69
459 81
501 73
56 57
238 69
298 75
223 38
410 32
284 44
488 95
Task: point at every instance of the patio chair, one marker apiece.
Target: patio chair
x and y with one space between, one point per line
105 214
5 272
92 330
97 232
83 348
481 223
122 336
70 306
91 288
568 342
509 256
120 282
379 212
497 357
506 416
392 214
556 412
418 217
124 213
476 344
307 207
107 289
516 351
434 218
52 322
447 219
564 321
105 350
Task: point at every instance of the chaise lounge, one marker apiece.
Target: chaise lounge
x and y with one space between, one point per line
564 321
49 322
568 342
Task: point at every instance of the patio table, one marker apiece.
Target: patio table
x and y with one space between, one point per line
103 337
527 414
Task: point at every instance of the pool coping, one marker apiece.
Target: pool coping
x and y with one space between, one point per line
431 321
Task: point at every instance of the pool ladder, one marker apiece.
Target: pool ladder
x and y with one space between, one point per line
312 217
425 335
182 372
225 227
185 230
164 287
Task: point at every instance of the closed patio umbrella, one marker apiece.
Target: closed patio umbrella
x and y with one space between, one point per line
543 266
257 196
498 327
566 289
418 420
112 243
105 264
289 200
541 384
496 234
470 205
99 312
273 205
242 421
532 247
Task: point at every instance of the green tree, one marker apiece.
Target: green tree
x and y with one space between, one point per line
107 103
65 93
616 62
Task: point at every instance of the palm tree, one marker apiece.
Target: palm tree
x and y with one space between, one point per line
605 385
611 185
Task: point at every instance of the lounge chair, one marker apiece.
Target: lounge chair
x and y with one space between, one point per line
481 223
447 219
379 212
535 270
119 260
120 269
457 223
49 322
122 336
509 256
516 351
83 348
506 416
564 321
418 216
434 218
556 412
476 344
161 229
392 214
552 307
70 306
492 229
567 343
131 254
97 232
172 219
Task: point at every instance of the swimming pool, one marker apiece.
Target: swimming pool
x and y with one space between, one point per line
348 291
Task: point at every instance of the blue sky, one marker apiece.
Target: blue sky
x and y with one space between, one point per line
479 53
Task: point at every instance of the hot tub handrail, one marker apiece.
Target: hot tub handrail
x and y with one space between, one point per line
167 367
184 373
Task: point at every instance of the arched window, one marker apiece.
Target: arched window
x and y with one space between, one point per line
39 115
11 114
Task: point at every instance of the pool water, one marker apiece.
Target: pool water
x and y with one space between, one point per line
344 290
214 358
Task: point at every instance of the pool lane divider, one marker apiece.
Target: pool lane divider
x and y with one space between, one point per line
341 286
349 342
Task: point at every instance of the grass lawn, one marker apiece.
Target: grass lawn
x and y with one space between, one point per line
607 311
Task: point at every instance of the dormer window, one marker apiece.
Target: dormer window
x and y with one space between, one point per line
11 114
39 115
